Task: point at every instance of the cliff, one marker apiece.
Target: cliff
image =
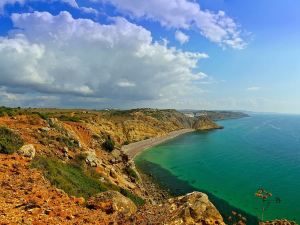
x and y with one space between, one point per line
205 123
58 167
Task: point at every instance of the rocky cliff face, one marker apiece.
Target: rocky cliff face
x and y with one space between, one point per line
204 123
63 175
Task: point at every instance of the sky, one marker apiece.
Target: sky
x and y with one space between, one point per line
183 54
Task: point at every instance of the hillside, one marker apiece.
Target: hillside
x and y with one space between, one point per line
67 167
215 115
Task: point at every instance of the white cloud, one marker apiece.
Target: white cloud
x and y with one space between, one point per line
184 14
125 84
254 88
89 10
181 37
61 56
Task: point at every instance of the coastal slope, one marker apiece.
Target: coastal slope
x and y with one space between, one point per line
67 166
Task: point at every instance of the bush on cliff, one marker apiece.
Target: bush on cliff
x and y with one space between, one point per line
9 141
131 172
109 144
77 180
70 118
69 177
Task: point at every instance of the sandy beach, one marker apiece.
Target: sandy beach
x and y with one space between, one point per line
134 149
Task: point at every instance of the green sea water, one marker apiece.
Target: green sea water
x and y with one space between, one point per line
231 164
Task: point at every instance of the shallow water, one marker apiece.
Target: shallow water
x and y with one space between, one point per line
231 164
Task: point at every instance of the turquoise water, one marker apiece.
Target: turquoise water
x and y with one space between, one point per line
231 164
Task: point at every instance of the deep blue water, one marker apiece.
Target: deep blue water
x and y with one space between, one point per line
231 164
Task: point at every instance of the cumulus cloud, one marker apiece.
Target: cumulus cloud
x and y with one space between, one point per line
184 14
181 37
61 56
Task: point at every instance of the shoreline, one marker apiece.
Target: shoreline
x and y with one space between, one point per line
133 149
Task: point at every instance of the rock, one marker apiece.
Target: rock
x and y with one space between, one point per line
45 129
66 150
116 153
27 151
111 202
113 161
278 222
193 208
92 159
113 173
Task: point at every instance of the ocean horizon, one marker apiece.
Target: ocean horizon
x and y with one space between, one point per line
230 165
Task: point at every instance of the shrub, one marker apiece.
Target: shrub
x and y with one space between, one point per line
126 143
109 144
9 141
138 201
69 118
8 111
131 172
69 142
44 116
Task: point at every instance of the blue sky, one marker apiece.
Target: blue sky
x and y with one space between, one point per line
206 54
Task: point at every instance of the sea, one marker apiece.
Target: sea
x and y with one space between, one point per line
229 165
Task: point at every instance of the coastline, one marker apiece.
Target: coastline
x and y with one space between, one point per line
133 149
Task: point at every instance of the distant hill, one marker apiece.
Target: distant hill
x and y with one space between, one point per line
215 114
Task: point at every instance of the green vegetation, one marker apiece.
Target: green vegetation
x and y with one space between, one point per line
6 111
131 172
76 179
109 144
44 116
70 118
136 199
9 141
69 142
126 143
69 177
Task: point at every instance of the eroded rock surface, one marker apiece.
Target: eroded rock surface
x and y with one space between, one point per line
112 202
27 151
193 208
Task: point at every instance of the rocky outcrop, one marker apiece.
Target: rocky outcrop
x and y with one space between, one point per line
191 209
112 202
204 123
278 222
27 151
92 159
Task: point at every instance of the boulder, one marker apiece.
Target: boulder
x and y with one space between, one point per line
193 208
112 202
27 151
45 129
113 173
92 159
116 153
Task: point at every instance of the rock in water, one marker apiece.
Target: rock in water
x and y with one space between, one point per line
27 151
111 202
